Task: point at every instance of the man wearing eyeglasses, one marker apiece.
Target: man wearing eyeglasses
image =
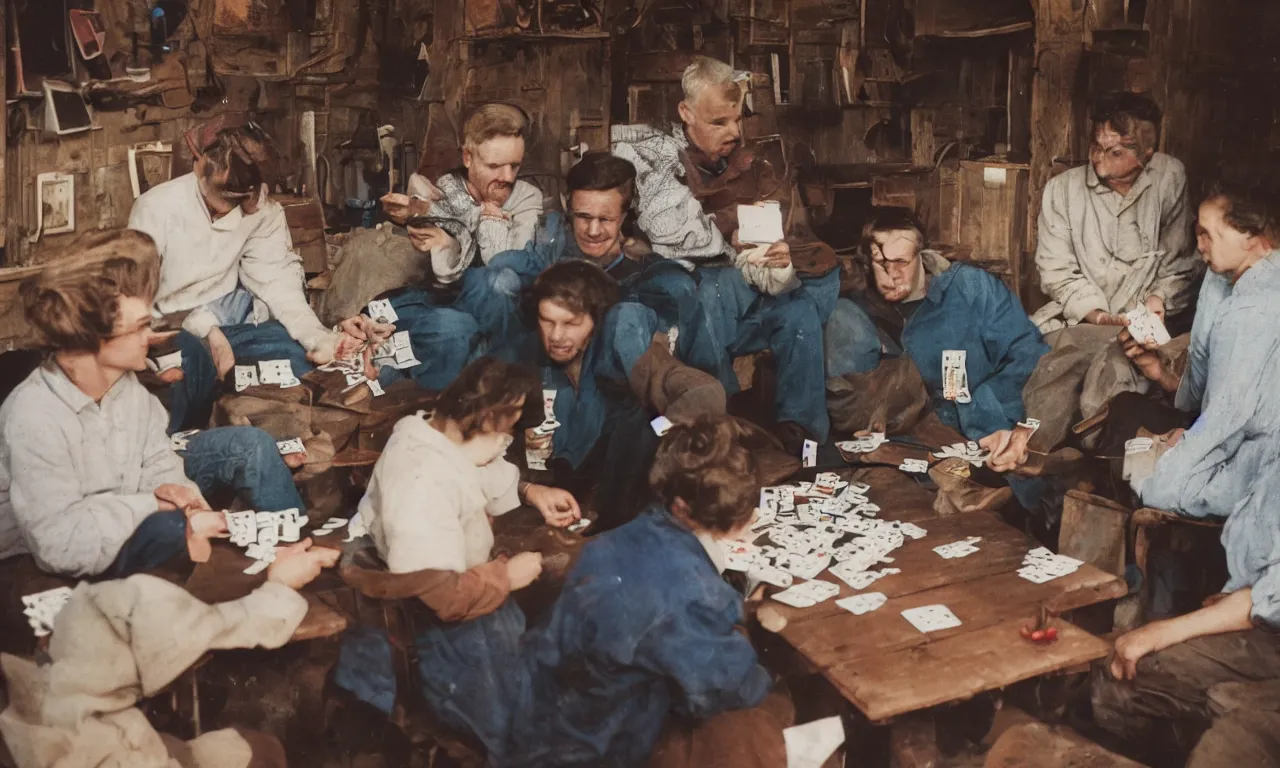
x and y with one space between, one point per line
931 310
1115 233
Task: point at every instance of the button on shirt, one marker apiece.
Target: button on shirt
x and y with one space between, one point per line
78 476
203 259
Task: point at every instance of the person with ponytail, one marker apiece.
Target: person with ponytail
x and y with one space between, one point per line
90 482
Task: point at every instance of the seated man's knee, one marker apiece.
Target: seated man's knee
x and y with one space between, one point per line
851 341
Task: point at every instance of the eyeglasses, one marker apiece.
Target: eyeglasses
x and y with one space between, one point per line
145 325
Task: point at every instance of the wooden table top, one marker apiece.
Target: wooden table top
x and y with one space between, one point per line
886 667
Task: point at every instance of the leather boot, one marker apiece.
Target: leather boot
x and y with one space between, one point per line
673 389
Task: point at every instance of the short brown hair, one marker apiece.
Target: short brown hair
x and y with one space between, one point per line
75 301
578 285
1250 208
249 156
890 218
492 120
1129 114
602 171
485 391
706 465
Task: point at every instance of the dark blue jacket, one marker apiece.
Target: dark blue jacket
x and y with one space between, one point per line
644 627
967 308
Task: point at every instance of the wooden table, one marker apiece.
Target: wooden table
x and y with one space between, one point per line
886 667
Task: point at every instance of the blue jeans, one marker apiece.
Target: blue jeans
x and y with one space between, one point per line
443 338
240 459
853 342
743 320
191 400
624 336
491 296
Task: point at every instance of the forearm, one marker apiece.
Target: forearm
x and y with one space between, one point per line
467 595
1231 614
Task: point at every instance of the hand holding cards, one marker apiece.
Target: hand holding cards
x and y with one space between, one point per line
1147 328
760 224
42 608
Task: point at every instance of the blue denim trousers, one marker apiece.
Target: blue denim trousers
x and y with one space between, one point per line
239 459
191 400
443 339
853 342
743 320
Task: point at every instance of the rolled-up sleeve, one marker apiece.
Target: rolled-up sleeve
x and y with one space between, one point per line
66 530
1056 259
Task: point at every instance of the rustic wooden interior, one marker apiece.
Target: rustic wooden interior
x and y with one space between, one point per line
961 109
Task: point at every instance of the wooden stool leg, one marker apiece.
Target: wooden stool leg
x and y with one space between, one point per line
913 741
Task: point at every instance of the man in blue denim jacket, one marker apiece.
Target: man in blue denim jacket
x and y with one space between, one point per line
925 307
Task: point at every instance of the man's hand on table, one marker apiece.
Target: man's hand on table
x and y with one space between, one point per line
224 358
558 507
523 569
297 565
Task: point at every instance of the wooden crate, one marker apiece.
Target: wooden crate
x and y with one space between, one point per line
991 210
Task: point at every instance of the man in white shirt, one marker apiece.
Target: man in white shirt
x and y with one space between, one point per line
228 263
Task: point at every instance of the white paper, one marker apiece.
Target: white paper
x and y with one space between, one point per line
812 744
760 224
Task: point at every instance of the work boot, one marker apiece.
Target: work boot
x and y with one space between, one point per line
673 389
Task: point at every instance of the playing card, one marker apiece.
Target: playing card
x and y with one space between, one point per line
911 530
1138 445
1146 327
243 528
739 555
770 575
808 566
809 454
1035 575
931 618
334 522
269 535
808 594
42 608
918 466
290 446
380 310
579 526
246 376
275 371
258 566
178 440
856 579
760 224
956 549
549 403
955 376
376 388
405 358
548 427
860 604
168 362
260 551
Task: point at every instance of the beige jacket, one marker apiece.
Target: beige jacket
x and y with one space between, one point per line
1098 250
117 642
428 505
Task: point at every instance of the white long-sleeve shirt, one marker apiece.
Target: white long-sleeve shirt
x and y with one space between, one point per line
203 259
78 476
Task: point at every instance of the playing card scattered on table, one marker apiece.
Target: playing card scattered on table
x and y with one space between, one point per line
278 372
42 608
860 604
931 618
1040 565
808 594
958 548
